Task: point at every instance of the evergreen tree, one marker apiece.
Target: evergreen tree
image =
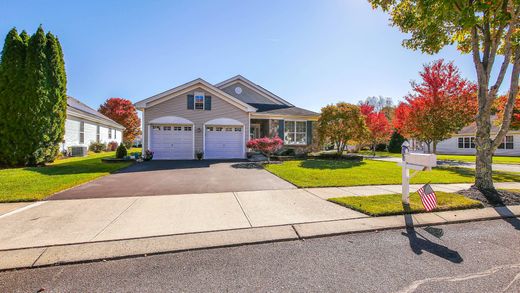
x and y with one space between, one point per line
38 112
12 105
394 146
57 103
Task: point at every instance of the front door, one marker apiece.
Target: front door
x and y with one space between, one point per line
255 131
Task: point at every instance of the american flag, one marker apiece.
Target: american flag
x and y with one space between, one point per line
428 197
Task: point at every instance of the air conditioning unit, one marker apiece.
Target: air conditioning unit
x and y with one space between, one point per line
78 151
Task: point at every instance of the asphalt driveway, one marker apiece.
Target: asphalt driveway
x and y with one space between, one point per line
178 177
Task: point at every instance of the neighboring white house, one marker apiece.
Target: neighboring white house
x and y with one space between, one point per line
464 142
85 125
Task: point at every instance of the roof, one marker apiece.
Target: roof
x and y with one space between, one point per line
292 111
472 128
252 85
79 106
196 82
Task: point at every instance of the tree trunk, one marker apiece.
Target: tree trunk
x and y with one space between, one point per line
434 147
428 145
484 157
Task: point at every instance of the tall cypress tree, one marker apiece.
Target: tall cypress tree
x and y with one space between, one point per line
12 104
37 100
57 84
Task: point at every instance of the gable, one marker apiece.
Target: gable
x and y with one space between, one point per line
246 94
258 93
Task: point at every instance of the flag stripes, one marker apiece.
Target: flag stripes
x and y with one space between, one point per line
428 197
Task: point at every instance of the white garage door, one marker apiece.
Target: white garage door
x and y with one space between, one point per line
172 142
224 142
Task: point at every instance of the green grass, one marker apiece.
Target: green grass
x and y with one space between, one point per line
323 173
36 183
457 158
390 204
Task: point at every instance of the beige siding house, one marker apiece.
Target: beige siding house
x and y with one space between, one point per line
218 120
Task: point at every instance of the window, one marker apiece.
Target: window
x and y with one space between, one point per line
155 127
110 133
97 133
115 134
199 101
238 129
167 128
229 128
466 142
219 128
209 128
508 143
177 128
187 128
295 132
82 132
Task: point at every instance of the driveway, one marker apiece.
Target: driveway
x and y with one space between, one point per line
178 177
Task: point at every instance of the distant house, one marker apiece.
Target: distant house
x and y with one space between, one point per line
464 142
85 125
218 119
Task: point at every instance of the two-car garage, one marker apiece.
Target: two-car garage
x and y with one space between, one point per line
173 138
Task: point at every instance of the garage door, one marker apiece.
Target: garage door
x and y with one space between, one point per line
172 142
224 142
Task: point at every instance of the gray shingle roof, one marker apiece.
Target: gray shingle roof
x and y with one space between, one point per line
294 111
76 104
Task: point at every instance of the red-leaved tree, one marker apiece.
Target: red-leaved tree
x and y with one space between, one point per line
123 112
267 146
515 119
439 106
379 129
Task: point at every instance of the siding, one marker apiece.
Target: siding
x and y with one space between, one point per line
248 95
72 127
450 146
177 106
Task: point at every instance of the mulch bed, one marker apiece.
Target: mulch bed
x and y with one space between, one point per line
492 198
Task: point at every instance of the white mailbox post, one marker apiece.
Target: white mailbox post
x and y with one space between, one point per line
413 161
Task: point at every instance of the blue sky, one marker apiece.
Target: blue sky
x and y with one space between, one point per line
311 53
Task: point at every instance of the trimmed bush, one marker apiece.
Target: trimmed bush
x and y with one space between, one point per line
394 146
112 146
97 147
121 151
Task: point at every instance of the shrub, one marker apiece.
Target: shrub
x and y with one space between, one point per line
394 146
112 146
381 147
148 155
97 147
267 146
121 151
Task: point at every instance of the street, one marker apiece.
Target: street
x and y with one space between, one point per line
470 257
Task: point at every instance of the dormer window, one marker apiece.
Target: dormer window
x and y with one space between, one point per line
199 101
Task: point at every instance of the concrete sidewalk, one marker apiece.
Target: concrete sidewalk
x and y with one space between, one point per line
57 231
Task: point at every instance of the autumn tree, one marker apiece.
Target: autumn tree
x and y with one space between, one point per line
440 105
381 104
266 145
123 112
515 119
484 29
379 128
340 124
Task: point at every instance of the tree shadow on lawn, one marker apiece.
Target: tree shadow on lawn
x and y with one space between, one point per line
330 164
94 165
420 244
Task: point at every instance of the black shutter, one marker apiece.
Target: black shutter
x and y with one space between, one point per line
207 103
281 129
309 132
191 102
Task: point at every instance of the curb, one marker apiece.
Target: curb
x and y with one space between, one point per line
26 258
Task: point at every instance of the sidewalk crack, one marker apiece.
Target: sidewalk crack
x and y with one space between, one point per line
242 208
115 219
38 258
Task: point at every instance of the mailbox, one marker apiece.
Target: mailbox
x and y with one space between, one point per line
425 160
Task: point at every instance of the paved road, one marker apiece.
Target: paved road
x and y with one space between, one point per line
471 257
178 177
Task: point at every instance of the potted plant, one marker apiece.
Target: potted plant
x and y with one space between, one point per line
148 155
199 155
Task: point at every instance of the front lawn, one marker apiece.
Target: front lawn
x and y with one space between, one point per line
457 158
323 173
390 204
36 183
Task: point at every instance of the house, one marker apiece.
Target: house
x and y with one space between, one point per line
219 119
463 142
85 125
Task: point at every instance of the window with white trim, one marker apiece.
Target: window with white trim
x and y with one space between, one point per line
110 133
82 132
177 128
187 128
238 129
198 101
508 143
167 128
209 128
155 127
467 142
229 128
295 132
219 128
